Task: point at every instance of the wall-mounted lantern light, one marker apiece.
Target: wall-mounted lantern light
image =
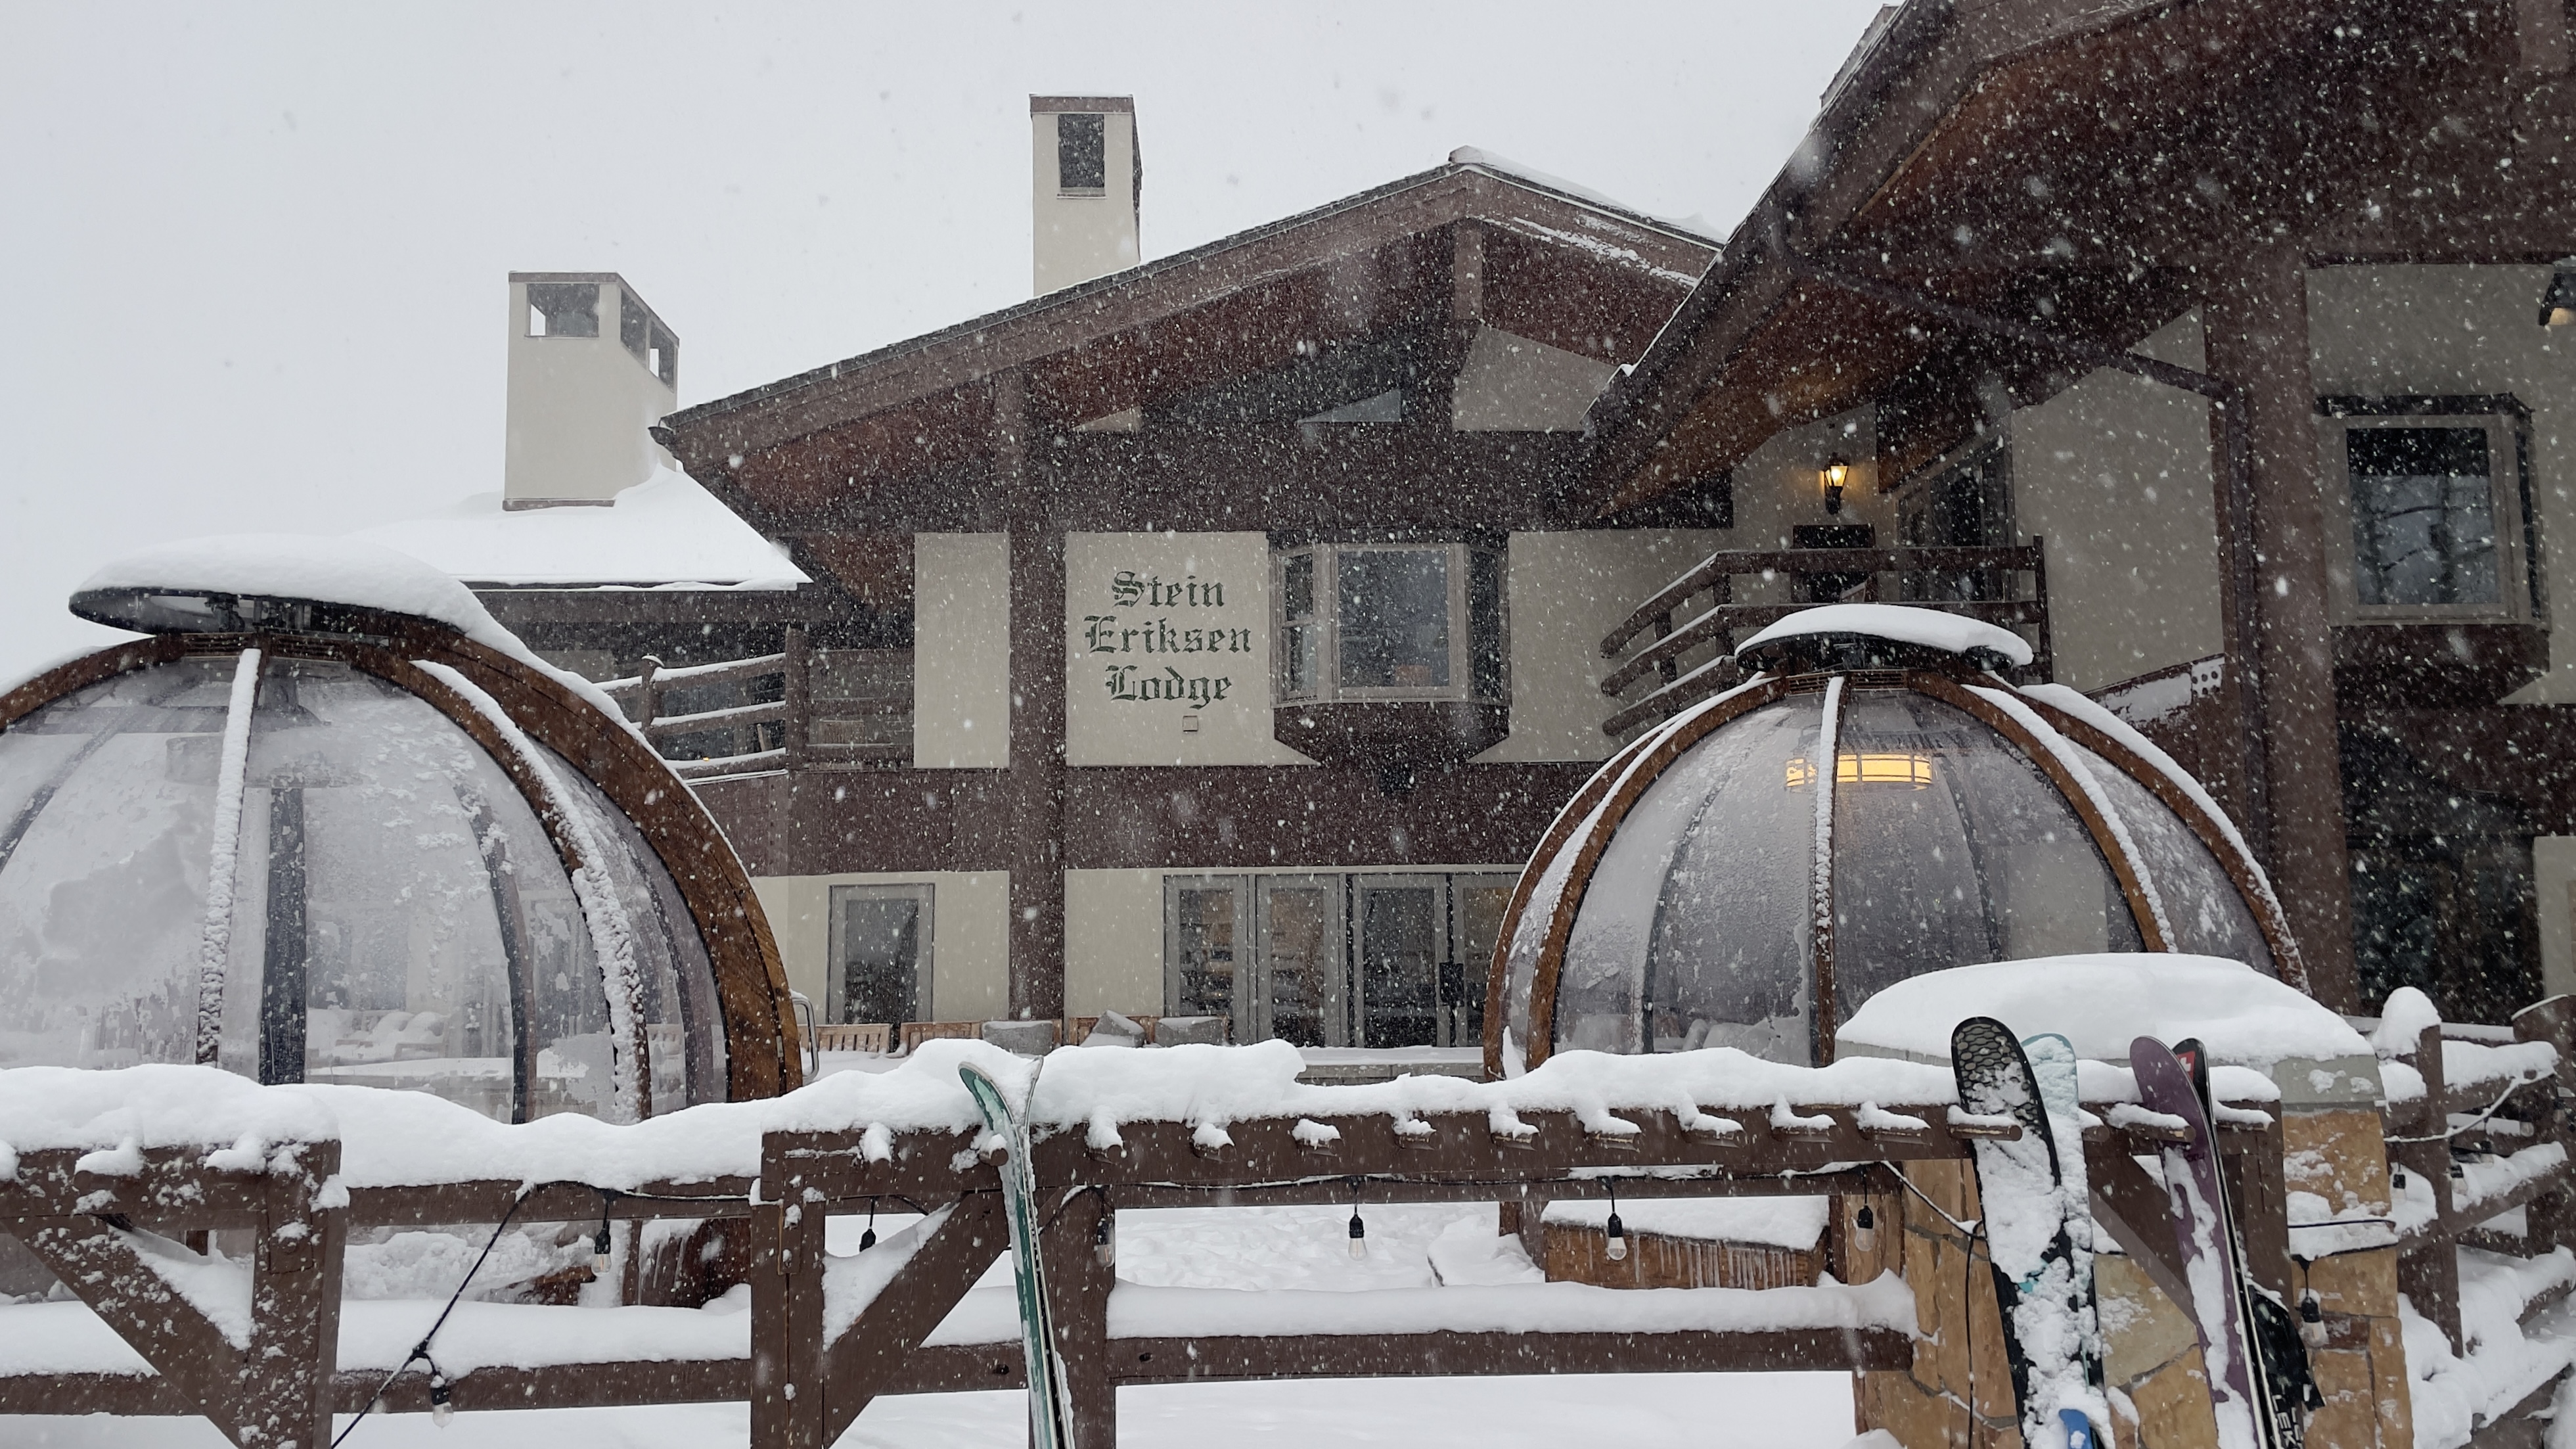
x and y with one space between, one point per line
2558 304
1835 473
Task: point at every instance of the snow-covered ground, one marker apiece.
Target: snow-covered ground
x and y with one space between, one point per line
1636 1411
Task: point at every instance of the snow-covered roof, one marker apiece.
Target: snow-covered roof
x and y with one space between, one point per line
171 588
1930 628
666 532
2103 1002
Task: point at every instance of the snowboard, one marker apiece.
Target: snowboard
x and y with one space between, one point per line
2256 1395
2039 1228
1050 1408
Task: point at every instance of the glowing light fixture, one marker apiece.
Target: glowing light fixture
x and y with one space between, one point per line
1874 767
1837 472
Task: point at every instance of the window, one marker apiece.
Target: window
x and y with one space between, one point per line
1082 154
2434 518
1332 959
880 953
563 309
1392 621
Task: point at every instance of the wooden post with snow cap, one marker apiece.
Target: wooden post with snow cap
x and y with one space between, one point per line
2428 1266
787 1398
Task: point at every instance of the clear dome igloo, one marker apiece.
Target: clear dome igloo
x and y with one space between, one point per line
332 824
1715 885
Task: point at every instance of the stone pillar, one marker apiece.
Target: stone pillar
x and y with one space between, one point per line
2256 318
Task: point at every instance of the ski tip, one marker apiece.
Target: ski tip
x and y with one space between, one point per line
2079 1429
1977 1028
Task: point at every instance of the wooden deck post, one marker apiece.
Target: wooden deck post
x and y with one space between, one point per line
1078 1286
787 1401
797 729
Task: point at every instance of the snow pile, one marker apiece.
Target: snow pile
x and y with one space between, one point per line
1931 628
399 1138
1780 1222
329 571
2103 1002
136 1109
1137 1311
667 531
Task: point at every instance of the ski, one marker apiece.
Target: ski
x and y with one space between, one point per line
2038 1227
1050 1410
2256 1395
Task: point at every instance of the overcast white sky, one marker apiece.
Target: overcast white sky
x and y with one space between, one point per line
253 257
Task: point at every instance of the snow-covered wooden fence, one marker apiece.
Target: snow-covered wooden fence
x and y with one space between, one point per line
113 1175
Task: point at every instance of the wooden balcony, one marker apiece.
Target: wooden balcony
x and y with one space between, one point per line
800 709
1691 626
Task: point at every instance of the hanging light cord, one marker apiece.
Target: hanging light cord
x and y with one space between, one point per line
420 1351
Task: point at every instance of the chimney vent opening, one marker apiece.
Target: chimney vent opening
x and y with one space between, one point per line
1082 154
563 309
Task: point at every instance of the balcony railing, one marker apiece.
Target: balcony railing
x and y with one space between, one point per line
1691 626
802 708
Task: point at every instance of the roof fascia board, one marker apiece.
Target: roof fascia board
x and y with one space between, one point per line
970 351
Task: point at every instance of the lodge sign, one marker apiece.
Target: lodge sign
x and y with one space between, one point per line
1167 641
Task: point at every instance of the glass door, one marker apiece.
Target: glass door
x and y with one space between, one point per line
1476 906
1302 980
880 952
1402 939
1206 928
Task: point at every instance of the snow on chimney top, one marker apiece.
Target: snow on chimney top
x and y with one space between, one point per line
1087 179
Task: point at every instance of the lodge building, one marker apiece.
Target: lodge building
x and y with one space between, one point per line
1220 634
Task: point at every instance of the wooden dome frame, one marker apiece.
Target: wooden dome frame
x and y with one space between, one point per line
1589 821
763 1047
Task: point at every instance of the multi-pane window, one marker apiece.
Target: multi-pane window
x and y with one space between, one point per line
1334 959
1391 621
2434 521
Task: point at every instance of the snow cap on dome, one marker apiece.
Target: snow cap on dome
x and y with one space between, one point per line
248 581
1894 623
2103 1002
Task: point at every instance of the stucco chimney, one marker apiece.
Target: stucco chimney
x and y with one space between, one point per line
591 368
1086 181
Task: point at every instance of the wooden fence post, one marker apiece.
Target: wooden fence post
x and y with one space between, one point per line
648 698
295 1301
786 1306
797 729
1078 1286
2428 1270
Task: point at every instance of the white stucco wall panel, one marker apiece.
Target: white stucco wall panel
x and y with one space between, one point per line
1566 591
961 651
2114 476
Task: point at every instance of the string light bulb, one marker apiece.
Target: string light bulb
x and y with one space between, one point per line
602 1244
1618 1231
1864 1229
868 1239
440 1410
1359 1230
1104 1240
